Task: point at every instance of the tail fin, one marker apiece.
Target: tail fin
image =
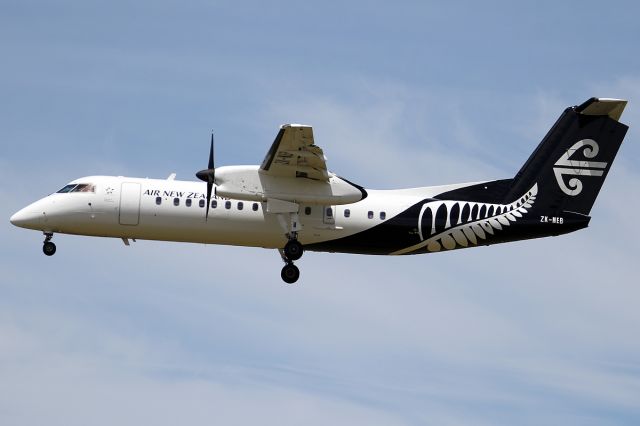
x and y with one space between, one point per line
574 158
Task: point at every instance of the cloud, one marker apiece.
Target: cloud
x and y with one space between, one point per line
71 388
395 137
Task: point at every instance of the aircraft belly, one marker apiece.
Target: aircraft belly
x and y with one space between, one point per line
216 230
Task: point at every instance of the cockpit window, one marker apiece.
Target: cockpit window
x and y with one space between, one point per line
84 187
67 188
78 187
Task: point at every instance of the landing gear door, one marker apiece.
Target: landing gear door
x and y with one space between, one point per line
329 215
130 203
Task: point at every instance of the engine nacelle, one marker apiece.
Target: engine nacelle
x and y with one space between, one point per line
250 184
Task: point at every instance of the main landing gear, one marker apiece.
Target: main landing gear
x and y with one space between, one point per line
48 247
293 250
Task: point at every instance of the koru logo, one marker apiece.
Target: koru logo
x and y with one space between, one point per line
566 166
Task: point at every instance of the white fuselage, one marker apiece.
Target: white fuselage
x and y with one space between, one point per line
173 210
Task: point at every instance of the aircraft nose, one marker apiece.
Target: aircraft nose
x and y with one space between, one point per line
26 218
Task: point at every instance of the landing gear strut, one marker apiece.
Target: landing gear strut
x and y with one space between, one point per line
48 247
293 250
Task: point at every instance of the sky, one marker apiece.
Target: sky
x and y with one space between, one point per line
400 94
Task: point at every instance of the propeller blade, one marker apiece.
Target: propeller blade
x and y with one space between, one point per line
208 175
209 186
211 153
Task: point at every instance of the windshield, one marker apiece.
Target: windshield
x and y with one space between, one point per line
67 188
84 187
78 187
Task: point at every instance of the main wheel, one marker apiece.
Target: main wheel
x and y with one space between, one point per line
293 250
49 248
290 273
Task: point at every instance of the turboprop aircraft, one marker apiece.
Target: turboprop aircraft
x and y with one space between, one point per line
291 202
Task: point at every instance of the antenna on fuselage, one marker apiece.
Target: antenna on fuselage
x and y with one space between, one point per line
208 175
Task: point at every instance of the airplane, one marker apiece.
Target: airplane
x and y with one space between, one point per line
292 203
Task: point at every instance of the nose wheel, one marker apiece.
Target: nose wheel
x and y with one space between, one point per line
48 247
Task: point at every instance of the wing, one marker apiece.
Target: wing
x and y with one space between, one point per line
294 154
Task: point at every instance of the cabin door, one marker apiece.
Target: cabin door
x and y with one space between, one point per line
130 203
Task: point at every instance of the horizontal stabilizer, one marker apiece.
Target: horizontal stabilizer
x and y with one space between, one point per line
603 106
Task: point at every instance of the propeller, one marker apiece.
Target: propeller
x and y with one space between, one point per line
208 175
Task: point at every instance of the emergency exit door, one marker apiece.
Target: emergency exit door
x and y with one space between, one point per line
130 203
328 215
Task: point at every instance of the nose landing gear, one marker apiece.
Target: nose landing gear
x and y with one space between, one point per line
48 247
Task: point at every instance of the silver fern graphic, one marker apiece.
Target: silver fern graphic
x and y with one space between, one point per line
467 223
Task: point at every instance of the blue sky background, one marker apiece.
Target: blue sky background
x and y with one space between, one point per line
400 95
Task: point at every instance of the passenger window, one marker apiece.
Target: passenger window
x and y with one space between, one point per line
201 203
227 205
158 200
329 212
307 211
383 215
214 204
176 201
370 214
347 212
240 205
188 202
255 207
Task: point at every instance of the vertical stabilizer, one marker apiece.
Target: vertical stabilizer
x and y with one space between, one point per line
574 158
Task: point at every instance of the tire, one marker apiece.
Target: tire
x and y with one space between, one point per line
293 250
290 273
49 248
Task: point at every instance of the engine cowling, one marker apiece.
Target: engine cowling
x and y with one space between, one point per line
251 184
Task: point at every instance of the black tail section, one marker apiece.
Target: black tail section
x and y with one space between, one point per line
573 160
